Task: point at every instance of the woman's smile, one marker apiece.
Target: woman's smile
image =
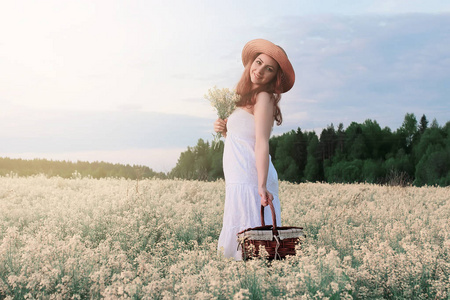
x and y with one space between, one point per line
257 76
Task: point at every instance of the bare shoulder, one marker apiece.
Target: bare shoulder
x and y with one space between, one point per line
264 105
264 100
263 97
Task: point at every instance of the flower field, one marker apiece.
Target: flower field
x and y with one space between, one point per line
156 239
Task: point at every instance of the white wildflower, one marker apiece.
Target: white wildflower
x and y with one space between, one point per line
224 101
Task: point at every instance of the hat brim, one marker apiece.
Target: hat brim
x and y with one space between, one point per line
255 47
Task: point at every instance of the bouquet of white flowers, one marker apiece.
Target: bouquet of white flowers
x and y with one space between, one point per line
224 101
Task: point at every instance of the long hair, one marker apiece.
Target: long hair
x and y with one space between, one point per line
248 95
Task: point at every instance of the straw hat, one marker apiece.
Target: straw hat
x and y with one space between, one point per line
255 47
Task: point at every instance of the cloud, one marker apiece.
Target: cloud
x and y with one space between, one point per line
78 131
130 106
368 66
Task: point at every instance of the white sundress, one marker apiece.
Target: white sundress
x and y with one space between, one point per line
242 201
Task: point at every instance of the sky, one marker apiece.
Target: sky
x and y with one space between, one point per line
124 81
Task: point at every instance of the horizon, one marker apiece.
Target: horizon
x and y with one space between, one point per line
123 81
317 131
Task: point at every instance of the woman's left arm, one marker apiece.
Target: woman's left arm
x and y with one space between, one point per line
263 111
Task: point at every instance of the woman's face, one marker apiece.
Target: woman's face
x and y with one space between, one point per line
263 69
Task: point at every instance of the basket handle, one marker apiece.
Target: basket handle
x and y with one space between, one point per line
274 217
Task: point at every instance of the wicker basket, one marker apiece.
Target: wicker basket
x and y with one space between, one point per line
277 241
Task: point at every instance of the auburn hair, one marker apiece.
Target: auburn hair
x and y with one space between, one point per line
248 94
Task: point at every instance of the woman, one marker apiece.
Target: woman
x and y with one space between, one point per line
250 176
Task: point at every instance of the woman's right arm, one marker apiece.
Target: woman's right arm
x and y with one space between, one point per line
221 126
263 112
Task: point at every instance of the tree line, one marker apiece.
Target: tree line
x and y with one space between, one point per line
68 169
416 153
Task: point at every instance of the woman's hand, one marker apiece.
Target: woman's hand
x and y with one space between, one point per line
221 126
265 195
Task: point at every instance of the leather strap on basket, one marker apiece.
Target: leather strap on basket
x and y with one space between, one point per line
274 217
